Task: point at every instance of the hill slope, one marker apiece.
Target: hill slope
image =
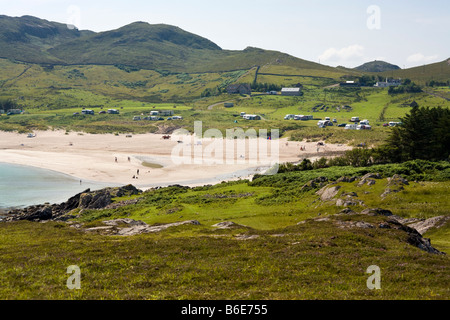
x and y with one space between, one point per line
139 44
377 66
439 71
28 38
168 48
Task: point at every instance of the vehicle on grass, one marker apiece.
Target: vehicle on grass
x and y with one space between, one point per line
289 117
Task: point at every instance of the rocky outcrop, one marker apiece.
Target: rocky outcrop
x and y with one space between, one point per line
423 226
327 193
226 225
395 183
32 213
369 179
87 199
130 227
144 228
348 201
347 179
318 182
414 237
377 212
95 200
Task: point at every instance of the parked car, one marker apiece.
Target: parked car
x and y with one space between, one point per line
342 125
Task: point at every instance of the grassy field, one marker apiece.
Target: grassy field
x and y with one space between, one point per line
51 94
372 104
287 254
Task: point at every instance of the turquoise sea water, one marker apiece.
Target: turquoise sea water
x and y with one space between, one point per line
21 186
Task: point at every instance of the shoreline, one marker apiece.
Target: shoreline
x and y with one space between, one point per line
112 159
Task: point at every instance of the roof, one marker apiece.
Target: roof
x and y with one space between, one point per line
290 89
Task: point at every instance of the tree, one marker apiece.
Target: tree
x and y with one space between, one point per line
424 134
8 105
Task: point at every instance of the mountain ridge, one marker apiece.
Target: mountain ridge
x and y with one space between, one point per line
377 66
148 46
162 47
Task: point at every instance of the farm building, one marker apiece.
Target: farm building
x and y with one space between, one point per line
239 88
291 91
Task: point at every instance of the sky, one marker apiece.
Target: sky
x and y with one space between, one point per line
347 32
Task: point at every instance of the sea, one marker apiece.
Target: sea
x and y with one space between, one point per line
22 186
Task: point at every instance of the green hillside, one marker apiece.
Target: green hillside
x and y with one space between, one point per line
28 38
439 71
377 66
272 238
139 45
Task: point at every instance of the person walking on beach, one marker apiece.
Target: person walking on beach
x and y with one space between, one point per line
137 171
115 159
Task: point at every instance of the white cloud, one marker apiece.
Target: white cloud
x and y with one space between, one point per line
349 53
421 58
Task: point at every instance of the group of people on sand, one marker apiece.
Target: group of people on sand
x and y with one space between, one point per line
129 160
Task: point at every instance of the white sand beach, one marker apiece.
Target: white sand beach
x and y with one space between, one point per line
93 156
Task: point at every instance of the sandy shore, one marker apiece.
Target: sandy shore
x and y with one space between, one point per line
183 159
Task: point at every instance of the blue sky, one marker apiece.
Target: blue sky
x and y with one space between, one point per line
346 32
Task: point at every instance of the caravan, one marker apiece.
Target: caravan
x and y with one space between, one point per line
364 122
289 117
324 123
252 117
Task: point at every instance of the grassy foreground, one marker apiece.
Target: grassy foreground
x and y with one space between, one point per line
267 255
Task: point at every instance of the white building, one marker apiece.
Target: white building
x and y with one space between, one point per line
291 91
388 83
